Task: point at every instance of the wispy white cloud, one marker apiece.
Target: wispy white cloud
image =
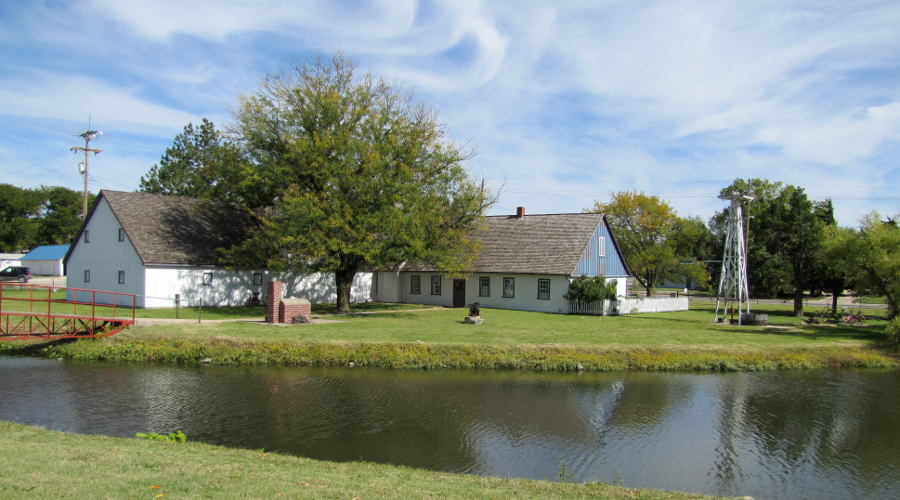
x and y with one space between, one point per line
566 100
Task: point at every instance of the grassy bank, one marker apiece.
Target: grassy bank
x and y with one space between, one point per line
47 464
435 339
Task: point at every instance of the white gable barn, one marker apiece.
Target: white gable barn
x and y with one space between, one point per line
162 247
526 262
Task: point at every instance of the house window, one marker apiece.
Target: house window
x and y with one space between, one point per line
207 278
509 287
435 285
121 234
87 236
601 246
87 275
484 286
415 284
543 289
257 279
121 277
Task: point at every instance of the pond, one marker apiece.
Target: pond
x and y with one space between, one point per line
798 434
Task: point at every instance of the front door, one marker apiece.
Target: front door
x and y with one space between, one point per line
459 293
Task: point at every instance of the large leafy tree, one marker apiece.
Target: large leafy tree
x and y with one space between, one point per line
346 172
871 255
645 228
797 236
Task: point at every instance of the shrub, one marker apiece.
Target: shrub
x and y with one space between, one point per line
892 332
591 289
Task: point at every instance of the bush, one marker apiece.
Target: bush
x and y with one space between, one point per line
892 332
591 289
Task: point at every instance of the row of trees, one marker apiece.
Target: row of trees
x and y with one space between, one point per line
337 171
49 215
794 244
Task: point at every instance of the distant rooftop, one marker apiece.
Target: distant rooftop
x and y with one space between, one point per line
47 252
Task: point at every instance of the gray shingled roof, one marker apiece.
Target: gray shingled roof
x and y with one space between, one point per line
532 244
174 229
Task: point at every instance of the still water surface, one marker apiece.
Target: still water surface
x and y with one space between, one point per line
804 434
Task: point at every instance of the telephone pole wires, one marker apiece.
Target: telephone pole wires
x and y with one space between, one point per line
88 136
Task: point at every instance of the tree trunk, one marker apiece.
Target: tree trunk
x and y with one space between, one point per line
798 302
649 291
835 294
344 281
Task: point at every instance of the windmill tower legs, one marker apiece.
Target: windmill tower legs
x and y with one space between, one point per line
733 287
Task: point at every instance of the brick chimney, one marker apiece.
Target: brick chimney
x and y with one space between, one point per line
275 291
520 212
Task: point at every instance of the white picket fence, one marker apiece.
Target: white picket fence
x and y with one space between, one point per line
628 306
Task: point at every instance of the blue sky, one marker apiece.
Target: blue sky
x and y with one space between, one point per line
563 101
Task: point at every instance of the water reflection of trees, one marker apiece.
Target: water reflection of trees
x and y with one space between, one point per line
819 425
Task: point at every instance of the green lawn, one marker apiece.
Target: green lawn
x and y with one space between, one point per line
37 463
692 328
438 338
36 300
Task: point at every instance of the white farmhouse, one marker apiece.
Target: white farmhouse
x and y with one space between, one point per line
526 262
160 248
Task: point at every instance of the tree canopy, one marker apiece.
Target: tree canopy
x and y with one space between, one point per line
49 215
871 257
201 163
784 236
340 171
654 240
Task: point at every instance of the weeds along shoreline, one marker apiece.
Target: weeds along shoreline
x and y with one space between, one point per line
398 355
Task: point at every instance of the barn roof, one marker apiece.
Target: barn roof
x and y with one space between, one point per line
175 230
46 252
532 244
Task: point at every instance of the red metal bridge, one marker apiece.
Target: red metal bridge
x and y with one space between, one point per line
44 312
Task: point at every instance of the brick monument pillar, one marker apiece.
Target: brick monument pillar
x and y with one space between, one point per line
275 291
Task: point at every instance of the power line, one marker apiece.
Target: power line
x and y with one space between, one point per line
87 135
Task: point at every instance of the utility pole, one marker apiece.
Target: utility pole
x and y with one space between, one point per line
87 135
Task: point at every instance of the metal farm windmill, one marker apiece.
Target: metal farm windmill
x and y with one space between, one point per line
733 286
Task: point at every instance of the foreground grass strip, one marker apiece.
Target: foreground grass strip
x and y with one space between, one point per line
46 464
461 356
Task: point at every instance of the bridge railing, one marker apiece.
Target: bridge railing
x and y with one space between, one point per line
34 310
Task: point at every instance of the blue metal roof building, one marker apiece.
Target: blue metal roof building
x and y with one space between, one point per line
46 260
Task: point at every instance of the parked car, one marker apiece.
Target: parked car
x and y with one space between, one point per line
16 273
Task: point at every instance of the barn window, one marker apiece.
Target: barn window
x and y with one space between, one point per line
257 279
543 289
121 277
484 286
207 278
121 234
601 246
435 285
87 236
87 275
415 284
509 287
